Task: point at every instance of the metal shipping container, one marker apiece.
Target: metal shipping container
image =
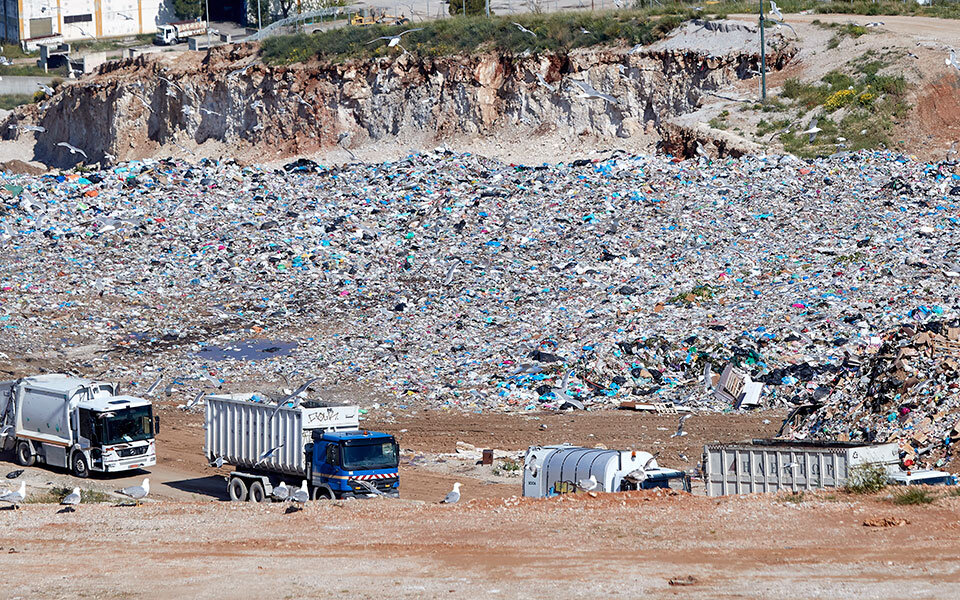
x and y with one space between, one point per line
774 465
240 430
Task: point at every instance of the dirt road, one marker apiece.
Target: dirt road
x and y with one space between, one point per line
625 545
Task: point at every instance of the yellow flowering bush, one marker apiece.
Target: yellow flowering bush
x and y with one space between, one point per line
839 98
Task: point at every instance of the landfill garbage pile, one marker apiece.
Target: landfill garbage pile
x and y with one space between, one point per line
452 281
903 387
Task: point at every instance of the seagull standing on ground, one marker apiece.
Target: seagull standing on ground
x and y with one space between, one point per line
588 485
454 496
153 387
15 498
524 29
281 492
71 500
951 61
137 492
680 432
301 494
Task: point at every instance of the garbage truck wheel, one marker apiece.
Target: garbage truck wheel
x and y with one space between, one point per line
79 466
322 492
25 456
237 490
256 492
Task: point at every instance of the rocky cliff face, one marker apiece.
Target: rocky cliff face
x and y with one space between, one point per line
144 106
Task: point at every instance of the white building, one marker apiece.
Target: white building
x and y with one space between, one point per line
81 19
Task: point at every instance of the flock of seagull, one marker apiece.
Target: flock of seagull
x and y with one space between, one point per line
16 497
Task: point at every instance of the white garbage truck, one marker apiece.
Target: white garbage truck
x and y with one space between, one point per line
563 468
78 424
174 33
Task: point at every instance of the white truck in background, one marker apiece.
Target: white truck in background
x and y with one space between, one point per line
562 469
78 424
794 465
174 33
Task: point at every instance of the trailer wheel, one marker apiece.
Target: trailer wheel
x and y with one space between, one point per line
256 493
25 455
322 492
237 489
79 466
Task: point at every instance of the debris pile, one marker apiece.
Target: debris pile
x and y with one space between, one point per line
451 281
906 388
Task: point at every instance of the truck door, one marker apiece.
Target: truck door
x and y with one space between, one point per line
330 464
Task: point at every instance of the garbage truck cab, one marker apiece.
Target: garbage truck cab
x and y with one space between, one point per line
76 423
342 459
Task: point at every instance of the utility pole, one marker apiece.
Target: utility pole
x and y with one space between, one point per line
259 22
763 59
488 9
208 25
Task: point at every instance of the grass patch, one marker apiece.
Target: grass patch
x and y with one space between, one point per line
914 496
55 495
867 478
13 51
31 70
507 466
468 35
11 101
108 44
698 293
794 498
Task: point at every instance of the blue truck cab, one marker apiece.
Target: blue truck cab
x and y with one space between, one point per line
348 464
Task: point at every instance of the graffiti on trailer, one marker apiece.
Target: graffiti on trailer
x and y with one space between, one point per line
564 487
322 415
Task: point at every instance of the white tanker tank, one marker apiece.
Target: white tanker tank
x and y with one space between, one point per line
560 469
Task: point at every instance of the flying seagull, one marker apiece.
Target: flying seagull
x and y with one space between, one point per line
193 401
874 24
281 492
46 88
394 39
72 149
212 380
544 83
454 496
588 92
584 30
785 24
775 10
71 500
294 397
209 112
367 486
15 498
217 462
137 492
813 130
153 387
268 454
680 432
588 485
29 128
524 29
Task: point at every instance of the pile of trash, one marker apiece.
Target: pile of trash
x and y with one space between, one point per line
452 281
905 387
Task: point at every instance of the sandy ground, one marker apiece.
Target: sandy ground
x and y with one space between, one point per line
618 545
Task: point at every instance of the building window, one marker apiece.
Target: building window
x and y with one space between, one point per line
78 18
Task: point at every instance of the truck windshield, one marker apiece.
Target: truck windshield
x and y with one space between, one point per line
381 454
128 425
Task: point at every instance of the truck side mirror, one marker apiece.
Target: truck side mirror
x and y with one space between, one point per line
156 425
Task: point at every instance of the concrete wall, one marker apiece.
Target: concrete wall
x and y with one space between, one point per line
22 85
82 19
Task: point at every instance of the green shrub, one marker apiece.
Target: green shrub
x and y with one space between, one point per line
913 495
866 478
